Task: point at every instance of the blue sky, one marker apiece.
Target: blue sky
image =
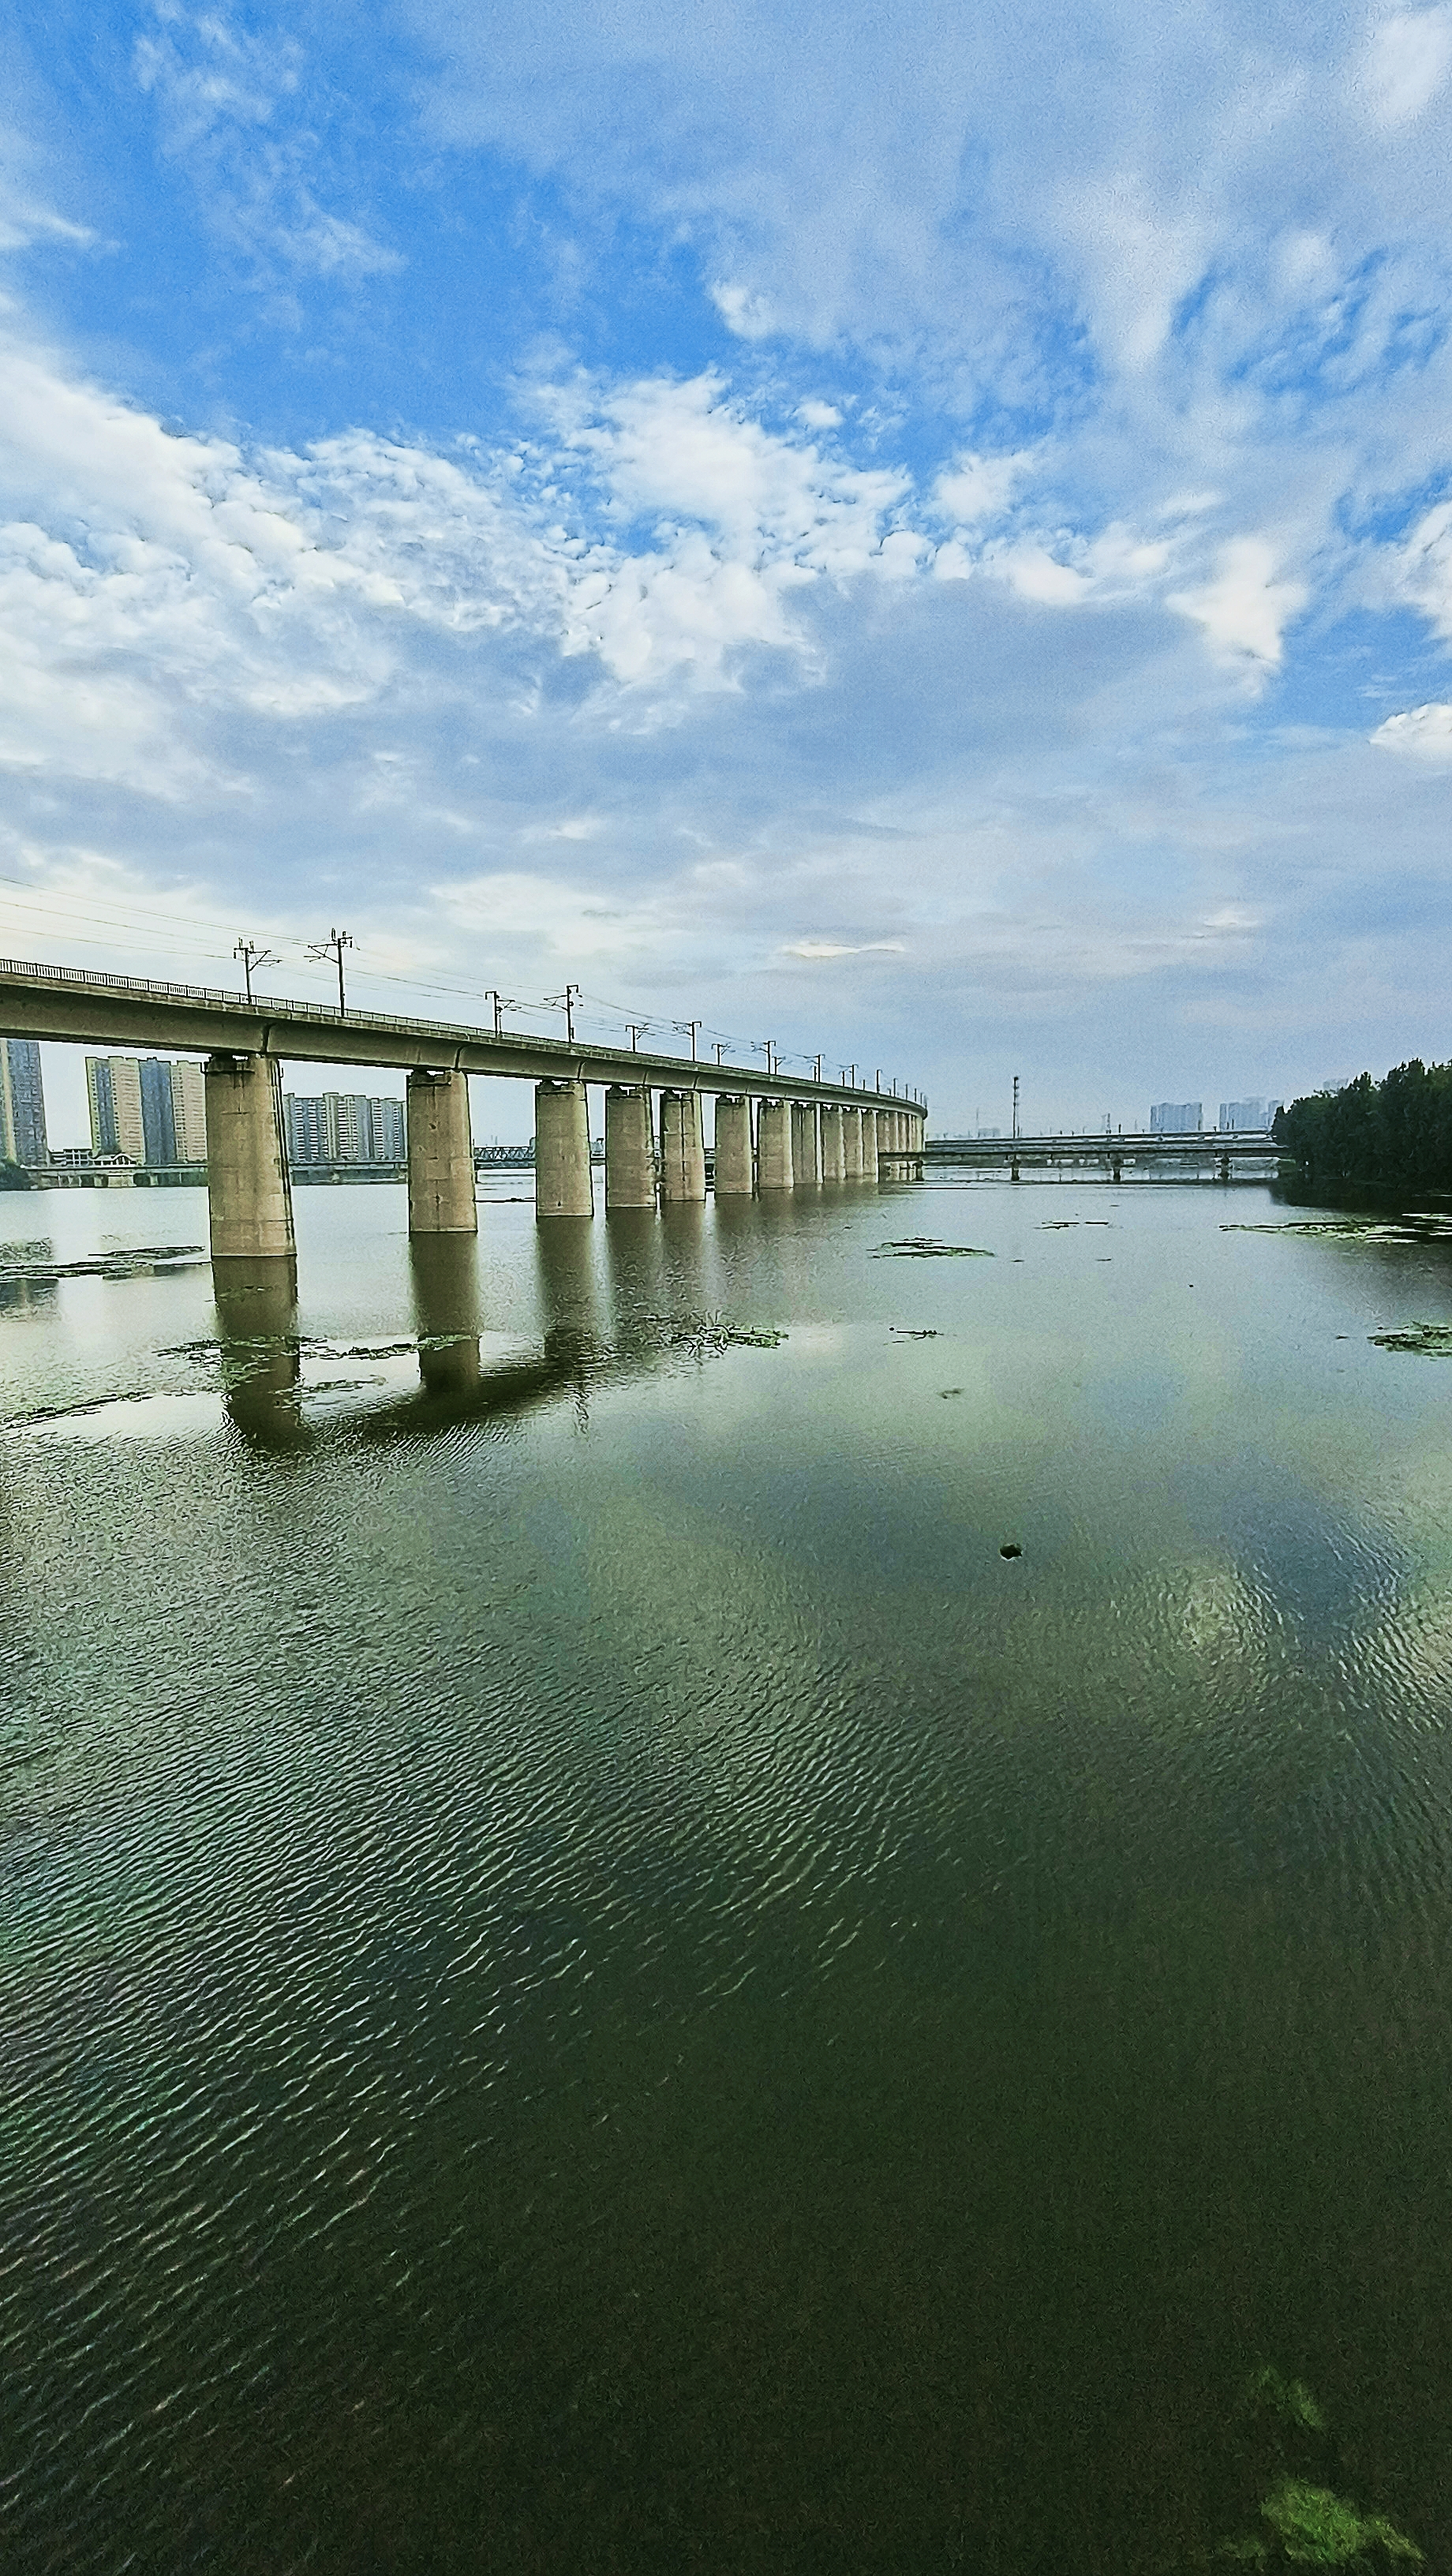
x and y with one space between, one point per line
927 537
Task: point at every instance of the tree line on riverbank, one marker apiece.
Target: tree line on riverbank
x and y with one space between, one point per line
1390 1135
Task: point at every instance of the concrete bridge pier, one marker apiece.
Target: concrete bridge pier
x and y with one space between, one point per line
806 1146
562 1182
682 1150
851 1144
629 1147
733 1146
249 1192
440 1154
871 1167
834 1165
774 1145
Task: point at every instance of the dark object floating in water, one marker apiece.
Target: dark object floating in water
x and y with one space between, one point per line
1416 1227
129 1261
1431 1341
946 1391
921 1247
905 1332
1010 1547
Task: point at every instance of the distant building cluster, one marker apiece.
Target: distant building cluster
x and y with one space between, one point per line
343 1127
1236 1116
146 1110
22 1104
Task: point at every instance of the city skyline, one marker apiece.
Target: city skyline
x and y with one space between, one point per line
934 552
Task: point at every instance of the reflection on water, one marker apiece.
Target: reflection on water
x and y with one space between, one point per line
445 1275
256 1307
591 1979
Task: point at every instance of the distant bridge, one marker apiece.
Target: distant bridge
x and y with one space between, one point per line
1210 1154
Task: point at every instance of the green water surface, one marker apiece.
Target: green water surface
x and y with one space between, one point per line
591 1979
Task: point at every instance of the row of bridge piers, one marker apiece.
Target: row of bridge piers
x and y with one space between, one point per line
651 1155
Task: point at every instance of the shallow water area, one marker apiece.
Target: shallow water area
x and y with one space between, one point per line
595 1975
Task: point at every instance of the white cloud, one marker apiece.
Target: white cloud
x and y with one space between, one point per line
1424 732
1035 574
980 487
1246 607
230 105
1410 55
748 315
814 948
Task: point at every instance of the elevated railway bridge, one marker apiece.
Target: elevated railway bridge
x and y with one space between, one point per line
1208 1155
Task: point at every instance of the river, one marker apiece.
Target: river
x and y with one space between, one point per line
592 1978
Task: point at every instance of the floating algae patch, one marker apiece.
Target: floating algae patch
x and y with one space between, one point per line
1318 2529
1290 2398
921 1247
1431 1341
705 1333
1309 2525
1360 1229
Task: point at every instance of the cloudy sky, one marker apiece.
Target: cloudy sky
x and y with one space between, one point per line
920 534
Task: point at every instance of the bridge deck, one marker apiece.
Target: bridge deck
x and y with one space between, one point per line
70 1005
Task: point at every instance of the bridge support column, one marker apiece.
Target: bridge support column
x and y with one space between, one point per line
249 1193
682 1153
629 1147
733 1147
806 1148
562 1183
871 1169
440 1154
834 1166
774 1145
852 1145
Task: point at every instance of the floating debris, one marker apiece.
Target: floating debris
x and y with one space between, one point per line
711 1333
132 1261
1010 1547
1360 1229
921 1247
907 1333
1430 1341
946 1391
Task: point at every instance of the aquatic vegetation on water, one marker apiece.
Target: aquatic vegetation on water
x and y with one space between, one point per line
1360 1229
1310 2525
921 1247
1288 2397
1318 2529
1430 1341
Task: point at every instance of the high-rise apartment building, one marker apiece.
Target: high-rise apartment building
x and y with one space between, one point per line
158 1125
1177 1118
189 1112
306 1136
22 1104
146 1108
343 1127
386 1128
113 1095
